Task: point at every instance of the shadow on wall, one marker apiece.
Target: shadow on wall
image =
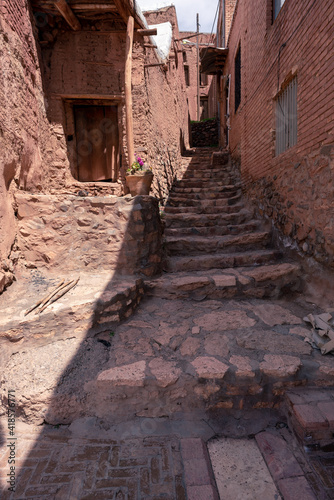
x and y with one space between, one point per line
78 393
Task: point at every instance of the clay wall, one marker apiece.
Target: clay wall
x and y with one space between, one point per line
45 68
90 65
161 113
25 133
295 188
207 83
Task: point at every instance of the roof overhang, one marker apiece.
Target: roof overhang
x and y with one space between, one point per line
75 11
213 60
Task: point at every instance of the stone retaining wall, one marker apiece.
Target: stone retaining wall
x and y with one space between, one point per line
67 232
204 133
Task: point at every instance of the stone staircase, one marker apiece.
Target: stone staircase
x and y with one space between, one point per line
213 241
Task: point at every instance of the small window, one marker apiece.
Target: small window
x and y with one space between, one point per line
277 5
186 75
203 79
184 56
237 80
286 118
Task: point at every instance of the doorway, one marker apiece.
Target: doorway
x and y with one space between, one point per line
97 142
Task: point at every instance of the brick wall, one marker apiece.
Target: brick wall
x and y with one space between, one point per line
295 188
229 11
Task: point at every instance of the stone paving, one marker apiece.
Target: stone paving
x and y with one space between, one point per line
120 410
148 459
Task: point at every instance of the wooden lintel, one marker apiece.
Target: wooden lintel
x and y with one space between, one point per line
97 97
128 91
147 32
150 46
68 15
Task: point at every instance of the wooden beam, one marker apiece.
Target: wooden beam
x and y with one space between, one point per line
100 7
68 15
127 8
128 93
148 32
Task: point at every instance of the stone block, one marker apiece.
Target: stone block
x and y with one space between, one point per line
132 375
165 372
272 315
217 344
222 281
190 346
280 366
244 368
273 342
224 320
207 367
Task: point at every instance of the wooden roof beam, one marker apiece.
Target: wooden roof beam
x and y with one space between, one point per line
68 15
126 8
147 32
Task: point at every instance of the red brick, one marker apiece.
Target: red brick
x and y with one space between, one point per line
309 417
196 472
296 487
327 410
192 448
280 460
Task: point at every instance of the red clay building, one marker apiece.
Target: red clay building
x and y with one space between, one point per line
64 124
277 88
207 83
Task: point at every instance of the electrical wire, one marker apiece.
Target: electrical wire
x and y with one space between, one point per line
213 24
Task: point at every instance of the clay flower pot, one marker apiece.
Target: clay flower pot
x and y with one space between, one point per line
140 182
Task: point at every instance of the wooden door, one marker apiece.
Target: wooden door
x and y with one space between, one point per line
97 140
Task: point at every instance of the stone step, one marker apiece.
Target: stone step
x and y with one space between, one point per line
203 210
209 173
263 281
204 191
190 220
203 184
194 245
218 230
172 357
221 260
97 299
191 201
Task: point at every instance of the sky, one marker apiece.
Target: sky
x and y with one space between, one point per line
186 12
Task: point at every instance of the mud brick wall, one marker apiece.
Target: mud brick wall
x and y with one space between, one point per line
161 110
25 133
90 233
296 188
204 133
43 63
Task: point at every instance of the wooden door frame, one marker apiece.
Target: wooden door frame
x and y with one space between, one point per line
69 125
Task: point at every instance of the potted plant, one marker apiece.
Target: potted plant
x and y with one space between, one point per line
139 177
